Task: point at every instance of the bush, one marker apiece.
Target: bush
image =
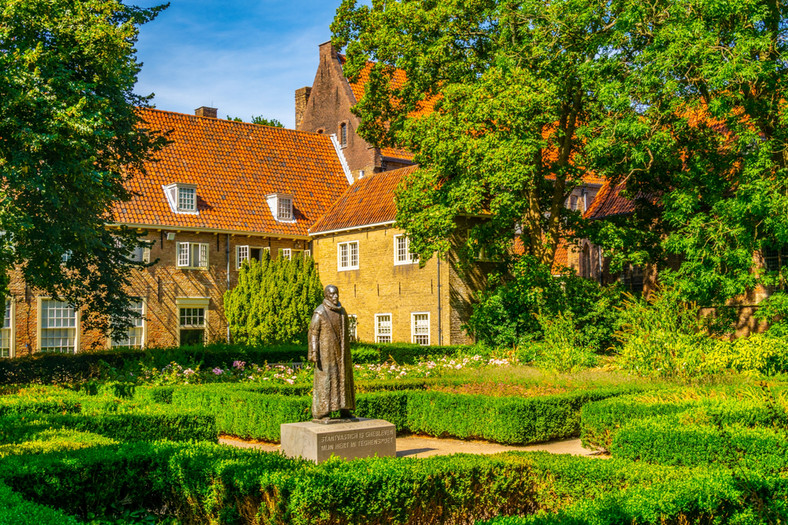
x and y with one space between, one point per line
665 337
16 511
273 300
515 309
563 348
671 441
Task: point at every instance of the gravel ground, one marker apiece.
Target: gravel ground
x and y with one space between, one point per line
414 446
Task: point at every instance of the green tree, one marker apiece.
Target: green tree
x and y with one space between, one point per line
273 301
69 138
700 132
514 87
260 120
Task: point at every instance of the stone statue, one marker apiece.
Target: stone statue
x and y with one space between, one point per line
329 349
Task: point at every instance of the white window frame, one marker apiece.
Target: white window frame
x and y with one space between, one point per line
185 259
410 257
284 208
414 329
194 303
173 194
40 325
8 329
349 256
239 248
286 253
139 324
381 334
352 326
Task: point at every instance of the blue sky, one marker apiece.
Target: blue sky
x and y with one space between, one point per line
244 57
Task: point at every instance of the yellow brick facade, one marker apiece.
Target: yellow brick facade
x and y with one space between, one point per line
379 286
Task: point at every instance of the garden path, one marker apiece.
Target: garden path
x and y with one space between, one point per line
414 446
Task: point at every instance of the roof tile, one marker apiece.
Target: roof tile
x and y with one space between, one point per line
234 165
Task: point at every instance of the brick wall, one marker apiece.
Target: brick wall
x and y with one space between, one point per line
327 105
160 286
381 287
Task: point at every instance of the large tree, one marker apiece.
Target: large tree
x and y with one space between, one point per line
514 86
679 103
69 138
699 131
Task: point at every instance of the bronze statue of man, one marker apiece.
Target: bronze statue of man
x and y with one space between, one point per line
329 349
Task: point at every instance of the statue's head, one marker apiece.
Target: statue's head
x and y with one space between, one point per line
331 293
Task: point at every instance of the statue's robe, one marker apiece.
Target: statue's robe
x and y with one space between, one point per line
329 349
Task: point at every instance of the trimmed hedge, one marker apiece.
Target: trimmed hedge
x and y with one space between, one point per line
668 441
205 483
243 412
16 511
703 497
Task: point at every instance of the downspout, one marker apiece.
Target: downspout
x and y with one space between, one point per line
440 325
227 289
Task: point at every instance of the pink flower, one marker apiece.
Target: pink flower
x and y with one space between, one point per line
218 371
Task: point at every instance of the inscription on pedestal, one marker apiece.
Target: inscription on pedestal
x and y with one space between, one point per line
359 439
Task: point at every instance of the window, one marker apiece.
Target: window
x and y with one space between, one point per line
281 206
632 278
58 327
347 255
285 209
187 199
343 134
135 335
192 326
382 328
192 255
352 324
286 253
402 253
775 258
420 328
181 197
245 253
7 331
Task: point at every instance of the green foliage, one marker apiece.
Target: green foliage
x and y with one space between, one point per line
517 309
563 348
71 139
515 86
273 301
16 511
664 336
261 120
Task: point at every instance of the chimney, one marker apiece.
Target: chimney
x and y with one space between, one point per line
205 111
301 99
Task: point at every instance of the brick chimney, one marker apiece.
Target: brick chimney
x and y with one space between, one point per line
301 98
205 111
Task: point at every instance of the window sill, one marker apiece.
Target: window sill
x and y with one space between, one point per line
349 268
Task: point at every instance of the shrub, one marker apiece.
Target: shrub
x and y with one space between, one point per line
16 511
273 300
563 348
664 337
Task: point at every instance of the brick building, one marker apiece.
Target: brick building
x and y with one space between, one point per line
382 285
219 193
325 106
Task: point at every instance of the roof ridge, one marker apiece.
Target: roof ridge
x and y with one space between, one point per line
234 122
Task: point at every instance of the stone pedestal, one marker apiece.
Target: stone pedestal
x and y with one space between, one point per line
348 439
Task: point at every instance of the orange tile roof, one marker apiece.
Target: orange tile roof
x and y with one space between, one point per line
397 81
609 202
234 165
370 200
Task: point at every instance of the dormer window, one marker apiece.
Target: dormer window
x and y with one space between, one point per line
285 209
281 205
182 198
343 134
